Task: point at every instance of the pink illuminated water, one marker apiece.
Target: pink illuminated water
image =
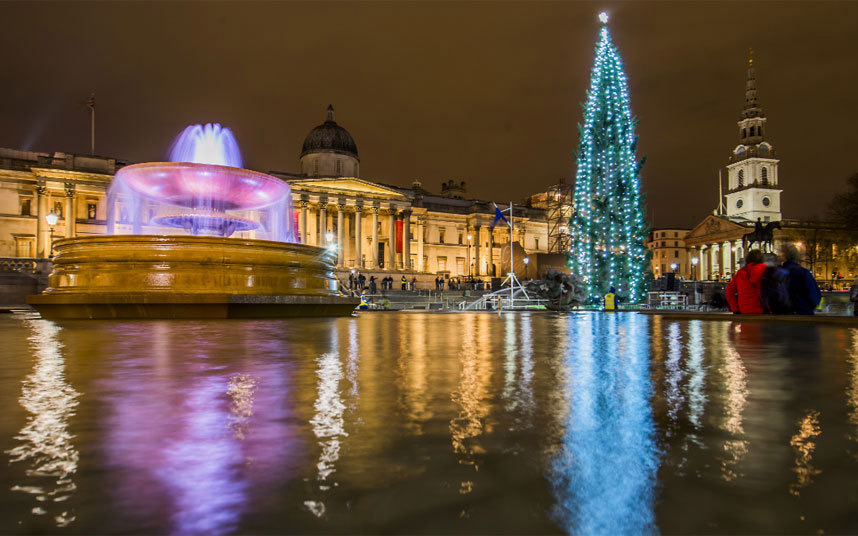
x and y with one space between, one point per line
202 191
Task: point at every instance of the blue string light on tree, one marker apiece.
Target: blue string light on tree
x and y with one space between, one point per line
608 227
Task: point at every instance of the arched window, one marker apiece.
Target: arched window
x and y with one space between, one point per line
741 178
765 176
744 133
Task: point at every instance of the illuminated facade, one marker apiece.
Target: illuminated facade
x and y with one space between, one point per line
447 234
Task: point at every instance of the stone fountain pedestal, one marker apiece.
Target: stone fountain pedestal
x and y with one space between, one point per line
155 276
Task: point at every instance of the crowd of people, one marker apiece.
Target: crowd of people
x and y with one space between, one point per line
456 283
764 285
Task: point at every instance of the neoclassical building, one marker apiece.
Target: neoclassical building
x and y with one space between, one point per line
753 195
373 226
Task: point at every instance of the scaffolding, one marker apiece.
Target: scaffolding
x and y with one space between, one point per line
559 208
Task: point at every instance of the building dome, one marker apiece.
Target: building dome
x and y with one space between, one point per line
329 137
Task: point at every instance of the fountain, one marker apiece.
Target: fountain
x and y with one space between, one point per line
195 237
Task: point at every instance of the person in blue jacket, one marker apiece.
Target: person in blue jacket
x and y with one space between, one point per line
804 294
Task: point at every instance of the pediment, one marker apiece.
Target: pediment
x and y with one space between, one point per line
347 185
714 227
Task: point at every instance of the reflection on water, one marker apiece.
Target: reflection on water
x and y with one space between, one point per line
470 396
45 441
852 389
327 422
734 374
605 475
803 445
586 423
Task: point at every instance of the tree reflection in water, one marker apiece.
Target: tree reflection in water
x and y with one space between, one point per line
604 477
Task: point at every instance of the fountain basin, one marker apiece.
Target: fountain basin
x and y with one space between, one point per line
154 276
208 186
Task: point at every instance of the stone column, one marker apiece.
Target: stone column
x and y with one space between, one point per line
392 230
406 240
740 254
491 258
420 265
302 223
358 235
476 271
715 255
341 234
70 211
42 233
323 221
726 260
373 255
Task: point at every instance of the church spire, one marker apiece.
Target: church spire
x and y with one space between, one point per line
752 107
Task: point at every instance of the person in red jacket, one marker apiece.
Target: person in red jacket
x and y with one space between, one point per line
744 290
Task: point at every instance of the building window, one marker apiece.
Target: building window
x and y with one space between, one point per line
460 239
767 201
744 133
676 254
739 203
90 211
675 235
765 176
663 243
440 236
536 243
442 264
315 167
676 243
25 211
58 208
741 178
460 265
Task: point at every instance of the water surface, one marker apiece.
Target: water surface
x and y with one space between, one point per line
589 423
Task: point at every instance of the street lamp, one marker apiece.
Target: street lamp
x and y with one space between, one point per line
526 262
52 218
694 262
674 266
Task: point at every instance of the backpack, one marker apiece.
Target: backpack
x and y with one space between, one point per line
774 291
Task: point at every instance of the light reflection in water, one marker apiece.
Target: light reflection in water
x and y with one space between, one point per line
193 437
45 442
673 379
696 378
470 396
518 366
328 422
734 374
803 446
412 371
605 475
852 389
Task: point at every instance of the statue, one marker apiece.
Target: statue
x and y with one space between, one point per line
562 291
762 235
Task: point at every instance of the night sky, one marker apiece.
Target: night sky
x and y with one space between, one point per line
488 93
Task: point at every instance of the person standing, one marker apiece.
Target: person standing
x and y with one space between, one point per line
853 297
611 300
373 288
804 294
404 282
744 289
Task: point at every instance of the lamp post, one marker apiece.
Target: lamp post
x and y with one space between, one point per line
694 262
674 266
51 218
526 262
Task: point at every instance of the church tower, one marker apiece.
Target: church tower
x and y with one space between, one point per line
752 173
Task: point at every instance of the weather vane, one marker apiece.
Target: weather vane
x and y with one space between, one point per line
603 16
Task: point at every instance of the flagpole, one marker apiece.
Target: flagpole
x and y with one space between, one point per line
511 260
92 134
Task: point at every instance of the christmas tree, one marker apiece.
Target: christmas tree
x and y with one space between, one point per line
608 228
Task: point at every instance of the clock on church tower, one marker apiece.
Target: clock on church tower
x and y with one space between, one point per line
752 173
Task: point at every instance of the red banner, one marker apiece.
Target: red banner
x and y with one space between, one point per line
399 225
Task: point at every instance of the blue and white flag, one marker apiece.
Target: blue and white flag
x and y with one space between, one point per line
499 216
